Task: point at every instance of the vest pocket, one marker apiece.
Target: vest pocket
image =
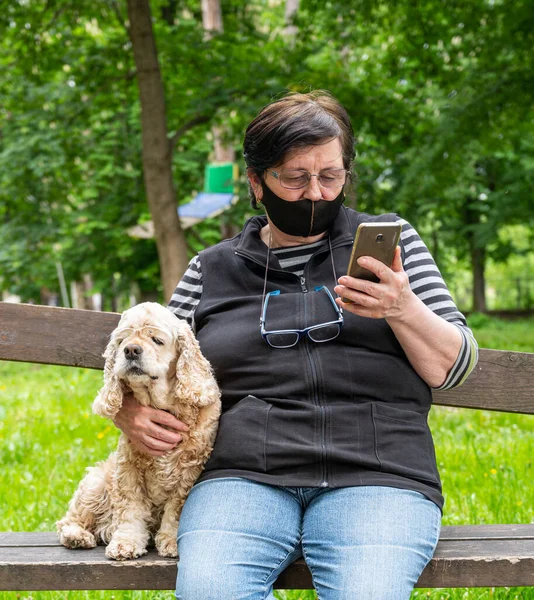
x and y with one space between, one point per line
240 442
404 443
353 437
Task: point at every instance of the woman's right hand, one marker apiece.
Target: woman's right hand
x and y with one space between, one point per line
143 426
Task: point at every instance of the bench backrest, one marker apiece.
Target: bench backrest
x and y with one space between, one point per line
502 381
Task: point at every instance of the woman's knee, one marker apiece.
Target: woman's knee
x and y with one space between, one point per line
211 584
369 543
200 578
368 574
229 545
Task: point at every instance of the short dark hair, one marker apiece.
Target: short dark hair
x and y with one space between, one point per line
292 122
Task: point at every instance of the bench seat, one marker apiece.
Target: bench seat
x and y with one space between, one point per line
466 556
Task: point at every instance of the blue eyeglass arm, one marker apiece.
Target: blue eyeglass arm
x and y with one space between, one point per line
262 318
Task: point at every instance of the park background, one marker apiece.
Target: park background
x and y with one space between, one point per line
110 113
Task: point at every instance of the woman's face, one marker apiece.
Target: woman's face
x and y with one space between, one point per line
313 159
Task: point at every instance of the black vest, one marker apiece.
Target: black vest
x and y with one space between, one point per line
351 411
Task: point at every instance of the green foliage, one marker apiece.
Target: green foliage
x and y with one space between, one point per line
439 95
480 320
515 335
70 173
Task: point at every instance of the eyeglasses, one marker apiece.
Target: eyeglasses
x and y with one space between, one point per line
296 179
286 338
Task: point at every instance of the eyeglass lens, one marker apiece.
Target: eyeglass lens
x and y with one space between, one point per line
324 333
282 340
298 179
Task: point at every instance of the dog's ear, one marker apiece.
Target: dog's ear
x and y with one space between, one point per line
109 399
195 383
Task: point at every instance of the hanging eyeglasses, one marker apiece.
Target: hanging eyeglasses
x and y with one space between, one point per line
286 338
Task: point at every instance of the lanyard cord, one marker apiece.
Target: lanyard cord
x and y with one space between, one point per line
267 270
265 278
334 269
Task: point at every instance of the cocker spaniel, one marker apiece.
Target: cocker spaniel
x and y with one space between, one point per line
131 498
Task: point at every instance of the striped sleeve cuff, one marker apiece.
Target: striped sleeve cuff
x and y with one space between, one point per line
187 294
466 361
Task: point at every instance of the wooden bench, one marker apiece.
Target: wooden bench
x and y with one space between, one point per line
466 556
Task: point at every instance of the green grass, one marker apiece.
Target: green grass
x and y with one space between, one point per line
48 437
503 335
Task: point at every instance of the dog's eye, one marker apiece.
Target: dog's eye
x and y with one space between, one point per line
157 341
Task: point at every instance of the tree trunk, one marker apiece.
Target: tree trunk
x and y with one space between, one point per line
436 254
213 23
157 151
292 7
222 152
478 262
478 258
212 17
168 11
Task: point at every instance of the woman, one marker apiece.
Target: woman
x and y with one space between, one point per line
323 447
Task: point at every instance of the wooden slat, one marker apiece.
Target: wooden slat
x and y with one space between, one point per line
54 336
468 556
501 381
20 539
61 336
486 532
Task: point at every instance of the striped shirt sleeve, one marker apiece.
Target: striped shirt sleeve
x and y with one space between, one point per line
188 292
428 284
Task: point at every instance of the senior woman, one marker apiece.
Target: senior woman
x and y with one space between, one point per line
323 449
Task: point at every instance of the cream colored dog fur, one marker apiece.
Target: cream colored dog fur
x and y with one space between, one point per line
132 497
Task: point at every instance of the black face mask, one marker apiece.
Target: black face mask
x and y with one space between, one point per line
302 218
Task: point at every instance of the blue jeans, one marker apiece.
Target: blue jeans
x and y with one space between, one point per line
360 543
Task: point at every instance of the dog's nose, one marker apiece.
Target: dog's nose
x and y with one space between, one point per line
133 351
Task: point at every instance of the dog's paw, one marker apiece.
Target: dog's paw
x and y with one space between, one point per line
74 536
124 550
166 545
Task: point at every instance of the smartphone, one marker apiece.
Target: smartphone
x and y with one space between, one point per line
378 240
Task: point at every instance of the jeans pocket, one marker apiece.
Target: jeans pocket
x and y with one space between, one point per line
404 443
240 442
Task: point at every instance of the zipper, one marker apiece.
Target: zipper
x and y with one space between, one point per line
315 394
322 409
309 352
317 401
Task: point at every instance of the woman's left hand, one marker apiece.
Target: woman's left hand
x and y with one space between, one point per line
390 298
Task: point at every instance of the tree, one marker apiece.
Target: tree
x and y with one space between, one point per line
481 133
439 95
157 149
436 92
